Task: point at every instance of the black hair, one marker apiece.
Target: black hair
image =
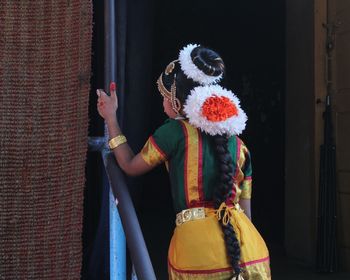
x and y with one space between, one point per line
207 60
210 63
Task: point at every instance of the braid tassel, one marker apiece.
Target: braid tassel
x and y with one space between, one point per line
238 277
227 213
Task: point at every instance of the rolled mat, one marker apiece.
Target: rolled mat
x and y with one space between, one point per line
45 55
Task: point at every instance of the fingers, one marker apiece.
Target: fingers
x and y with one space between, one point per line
101 94
112 87
104 100
102 97
113 90
100 103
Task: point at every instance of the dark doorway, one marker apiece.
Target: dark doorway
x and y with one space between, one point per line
250 36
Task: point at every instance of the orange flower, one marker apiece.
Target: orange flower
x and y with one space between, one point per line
218 108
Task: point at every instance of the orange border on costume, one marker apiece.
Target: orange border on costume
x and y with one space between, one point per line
193 165
240 158
246 188
200 271
208 271
200 167
157 147
254 262
240 179
152 153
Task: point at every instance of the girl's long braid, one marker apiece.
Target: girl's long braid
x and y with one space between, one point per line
221 193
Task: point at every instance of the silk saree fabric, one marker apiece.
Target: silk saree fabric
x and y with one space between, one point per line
197 249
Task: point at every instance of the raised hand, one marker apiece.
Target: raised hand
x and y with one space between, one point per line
107 105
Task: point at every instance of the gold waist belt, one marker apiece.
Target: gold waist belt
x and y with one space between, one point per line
190 215
199 213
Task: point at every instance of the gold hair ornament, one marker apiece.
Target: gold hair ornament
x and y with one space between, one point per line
170 95
162 89
175 102
169 69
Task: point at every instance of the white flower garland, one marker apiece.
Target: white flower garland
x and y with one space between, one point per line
193 108
191 70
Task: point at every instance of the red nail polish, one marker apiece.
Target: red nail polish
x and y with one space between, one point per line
112 86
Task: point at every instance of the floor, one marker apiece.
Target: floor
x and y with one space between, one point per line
284 268
287 270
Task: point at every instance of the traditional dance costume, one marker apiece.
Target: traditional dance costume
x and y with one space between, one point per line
197 249
197 162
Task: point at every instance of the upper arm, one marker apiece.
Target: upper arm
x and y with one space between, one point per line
245 205
162 145
246 184
159 148
137 166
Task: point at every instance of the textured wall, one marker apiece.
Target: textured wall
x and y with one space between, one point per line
44 88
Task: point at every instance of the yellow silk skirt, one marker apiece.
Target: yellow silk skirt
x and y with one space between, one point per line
197 249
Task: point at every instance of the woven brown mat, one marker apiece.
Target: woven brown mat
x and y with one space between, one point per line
45 53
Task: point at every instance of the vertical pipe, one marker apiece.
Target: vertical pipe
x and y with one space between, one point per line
117 253
136 243
117 257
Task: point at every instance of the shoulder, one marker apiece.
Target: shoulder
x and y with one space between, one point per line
173 123
238 141
168 135
170 127
236 144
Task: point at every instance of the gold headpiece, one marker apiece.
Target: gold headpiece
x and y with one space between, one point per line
171 95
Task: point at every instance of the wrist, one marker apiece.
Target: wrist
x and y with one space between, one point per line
111 120
113 126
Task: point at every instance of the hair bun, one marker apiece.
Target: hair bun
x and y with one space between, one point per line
202 65
207 61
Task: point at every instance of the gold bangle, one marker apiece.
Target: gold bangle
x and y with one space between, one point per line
116 141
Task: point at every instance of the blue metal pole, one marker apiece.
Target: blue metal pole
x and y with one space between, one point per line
117 243
117 247
136 243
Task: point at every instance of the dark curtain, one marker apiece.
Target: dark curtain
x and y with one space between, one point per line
134 67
